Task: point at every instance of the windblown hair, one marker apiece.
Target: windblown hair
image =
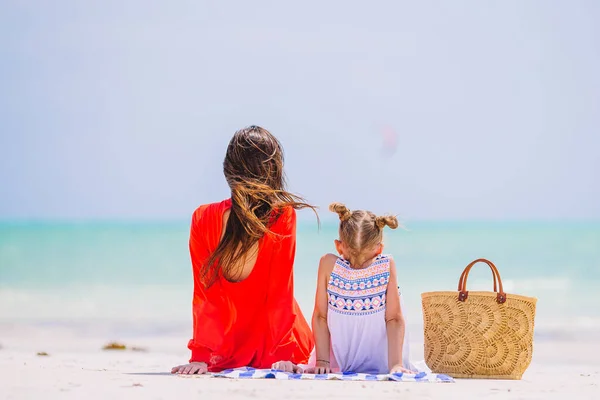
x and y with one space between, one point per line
360 231
253 168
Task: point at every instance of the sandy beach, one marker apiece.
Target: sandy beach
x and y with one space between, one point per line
77 368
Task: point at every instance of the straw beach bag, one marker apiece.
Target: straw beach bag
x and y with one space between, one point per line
478 334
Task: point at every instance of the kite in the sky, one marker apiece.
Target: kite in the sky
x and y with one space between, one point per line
390 141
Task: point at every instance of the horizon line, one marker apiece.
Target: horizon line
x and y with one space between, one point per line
301 221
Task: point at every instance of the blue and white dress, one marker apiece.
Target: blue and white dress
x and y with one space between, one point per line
356 317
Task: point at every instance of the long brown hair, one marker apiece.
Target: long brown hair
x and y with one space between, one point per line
360 230
253 168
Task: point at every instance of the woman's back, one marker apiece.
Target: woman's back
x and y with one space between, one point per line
233 314
243 268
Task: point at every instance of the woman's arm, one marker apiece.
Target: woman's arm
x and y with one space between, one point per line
319 319
394 323
198 253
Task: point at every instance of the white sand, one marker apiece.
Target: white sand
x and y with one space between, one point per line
77 368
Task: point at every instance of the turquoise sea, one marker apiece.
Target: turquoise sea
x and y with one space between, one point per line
135 278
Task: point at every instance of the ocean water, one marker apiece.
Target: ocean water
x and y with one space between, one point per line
135 278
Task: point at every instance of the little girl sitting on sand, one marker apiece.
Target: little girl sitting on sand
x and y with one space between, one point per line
357 322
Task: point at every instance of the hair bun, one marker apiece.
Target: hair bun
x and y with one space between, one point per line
342 211
388 220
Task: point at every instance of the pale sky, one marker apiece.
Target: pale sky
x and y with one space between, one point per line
123 109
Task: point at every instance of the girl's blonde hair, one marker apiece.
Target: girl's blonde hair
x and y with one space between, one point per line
360 231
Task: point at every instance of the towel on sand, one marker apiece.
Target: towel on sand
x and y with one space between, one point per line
251 373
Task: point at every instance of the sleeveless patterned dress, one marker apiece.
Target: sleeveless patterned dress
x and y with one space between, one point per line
356 317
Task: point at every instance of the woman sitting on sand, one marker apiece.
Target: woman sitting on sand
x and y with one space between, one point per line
242 252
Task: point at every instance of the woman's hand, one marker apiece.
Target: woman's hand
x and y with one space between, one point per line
398 368
190 369
287 366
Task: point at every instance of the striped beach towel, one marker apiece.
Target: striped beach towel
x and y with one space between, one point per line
251 373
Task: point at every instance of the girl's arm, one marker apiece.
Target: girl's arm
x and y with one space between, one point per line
394 323
319 319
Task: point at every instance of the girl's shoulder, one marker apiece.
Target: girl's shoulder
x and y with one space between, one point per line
327 263
384 260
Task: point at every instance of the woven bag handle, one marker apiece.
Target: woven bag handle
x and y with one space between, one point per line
462 283
462 276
